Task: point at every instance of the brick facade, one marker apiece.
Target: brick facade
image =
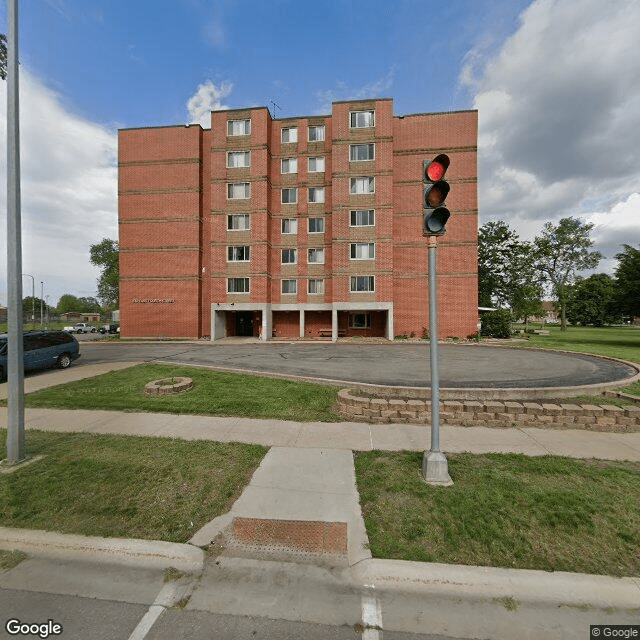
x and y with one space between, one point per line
185 271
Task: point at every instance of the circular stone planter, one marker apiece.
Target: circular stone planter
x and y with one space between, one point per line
167 386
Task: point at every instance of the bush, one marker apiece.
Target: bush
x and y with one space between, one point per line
496 324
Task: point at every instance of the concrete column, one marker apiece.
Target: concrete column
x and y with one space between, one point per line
219 328
267 322
390 324
302 323
334 325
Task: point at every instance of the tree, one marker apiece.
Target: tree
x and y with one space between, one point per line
3 56
593 301
106 254
628 281
67 303
33 305
560 252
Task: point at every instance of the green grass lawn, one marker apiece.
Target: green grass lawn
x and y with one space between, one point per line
124 486
547 513
214 393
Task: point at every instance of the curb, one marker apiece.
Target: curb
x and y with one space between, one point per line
524 586
127 551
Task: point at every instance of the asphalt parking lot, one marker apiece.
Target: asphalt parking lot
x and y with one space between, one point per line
462 366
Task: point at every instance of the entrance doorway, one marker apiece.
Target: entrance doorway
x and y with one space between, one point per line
244 323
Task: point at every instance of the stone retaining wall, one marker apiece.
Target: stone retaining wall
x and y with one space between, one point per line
470 413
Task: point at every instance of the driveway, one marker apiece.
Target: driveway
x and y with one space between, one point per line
462 366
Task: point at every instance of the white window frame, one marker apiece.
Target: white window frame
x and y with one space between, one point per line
309 225
357 248
231 189
354 119
353 148
367 320
317 160
246 127
318 285
234 250
237 154
318 129
360 182
354 280
237 217
371 213
289 293
318 252
293 190
230 280
295 256
315 195
289 165
291 135
292 223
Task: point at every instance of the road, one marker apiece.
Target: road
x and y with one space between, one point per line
461 365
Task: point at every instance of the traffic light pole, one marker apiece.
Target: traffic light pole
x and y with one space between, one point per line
434 463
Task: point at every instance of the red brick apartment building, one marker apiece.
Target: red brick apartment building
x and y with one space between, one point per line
295 227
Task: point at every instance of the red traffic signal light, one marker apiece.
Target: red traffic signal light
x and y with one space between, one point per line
435 191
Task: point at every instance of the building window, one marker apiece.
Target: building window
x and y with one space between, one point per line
290 134
363 250
238 222
316 225
289 256
316 256
289 286
238 254
239 190
237 159
362 283
363 218
359 320
238 127
316 285
237 285
358 152
290 195
361 119
316 194
316 164
316 133
366 184
289 225
289 165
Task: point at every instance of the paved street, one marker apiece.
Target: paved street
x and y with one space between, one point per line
461 365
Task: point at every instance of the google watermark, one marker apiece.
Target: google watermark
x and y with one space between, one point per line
15 627
614 631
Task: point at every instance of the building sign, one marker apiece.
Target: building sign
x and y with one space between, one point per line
153 301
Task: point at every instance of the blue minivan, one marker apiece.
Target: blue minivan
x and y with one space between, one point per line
42 350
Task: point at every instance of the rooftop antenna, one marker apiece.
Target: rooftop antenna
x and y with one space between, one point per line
275 106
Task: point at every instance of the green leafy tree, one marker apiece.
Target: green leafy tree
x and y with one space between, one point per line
628 281
560 252
497 244
593 301
106 255
33 305
67 304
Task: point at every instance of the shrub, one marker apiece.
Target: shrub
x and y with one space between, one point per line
496 324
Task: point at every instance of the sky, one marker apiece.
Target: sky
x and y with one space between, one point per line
555 82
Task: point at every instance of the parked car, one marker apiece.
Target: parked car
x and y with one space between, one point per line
109 328
80 327
42 350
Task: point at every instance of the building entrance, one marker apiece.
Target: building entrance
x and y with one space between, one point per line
244 323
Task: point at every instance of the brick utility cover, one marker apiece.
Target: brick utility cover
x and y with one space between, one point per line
296 535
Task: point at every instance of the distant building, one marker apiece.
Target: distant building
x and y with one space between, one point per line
77 316
300 227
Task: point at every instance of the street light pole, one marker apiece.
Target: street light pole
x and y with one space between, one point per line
41 303
434 463
15 396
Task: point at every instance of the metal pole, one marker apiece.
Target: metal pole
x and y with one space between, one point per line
434 463
15 398
41 303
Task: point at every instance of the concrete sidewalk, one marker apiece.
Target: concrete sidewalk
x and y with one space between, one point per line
304 494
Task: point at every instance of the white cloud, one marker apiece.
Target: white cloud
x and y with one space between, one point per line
559 116
376 89
206 99
68 191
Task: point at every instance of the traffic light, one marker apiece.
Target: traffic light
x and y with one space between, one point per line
435 191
